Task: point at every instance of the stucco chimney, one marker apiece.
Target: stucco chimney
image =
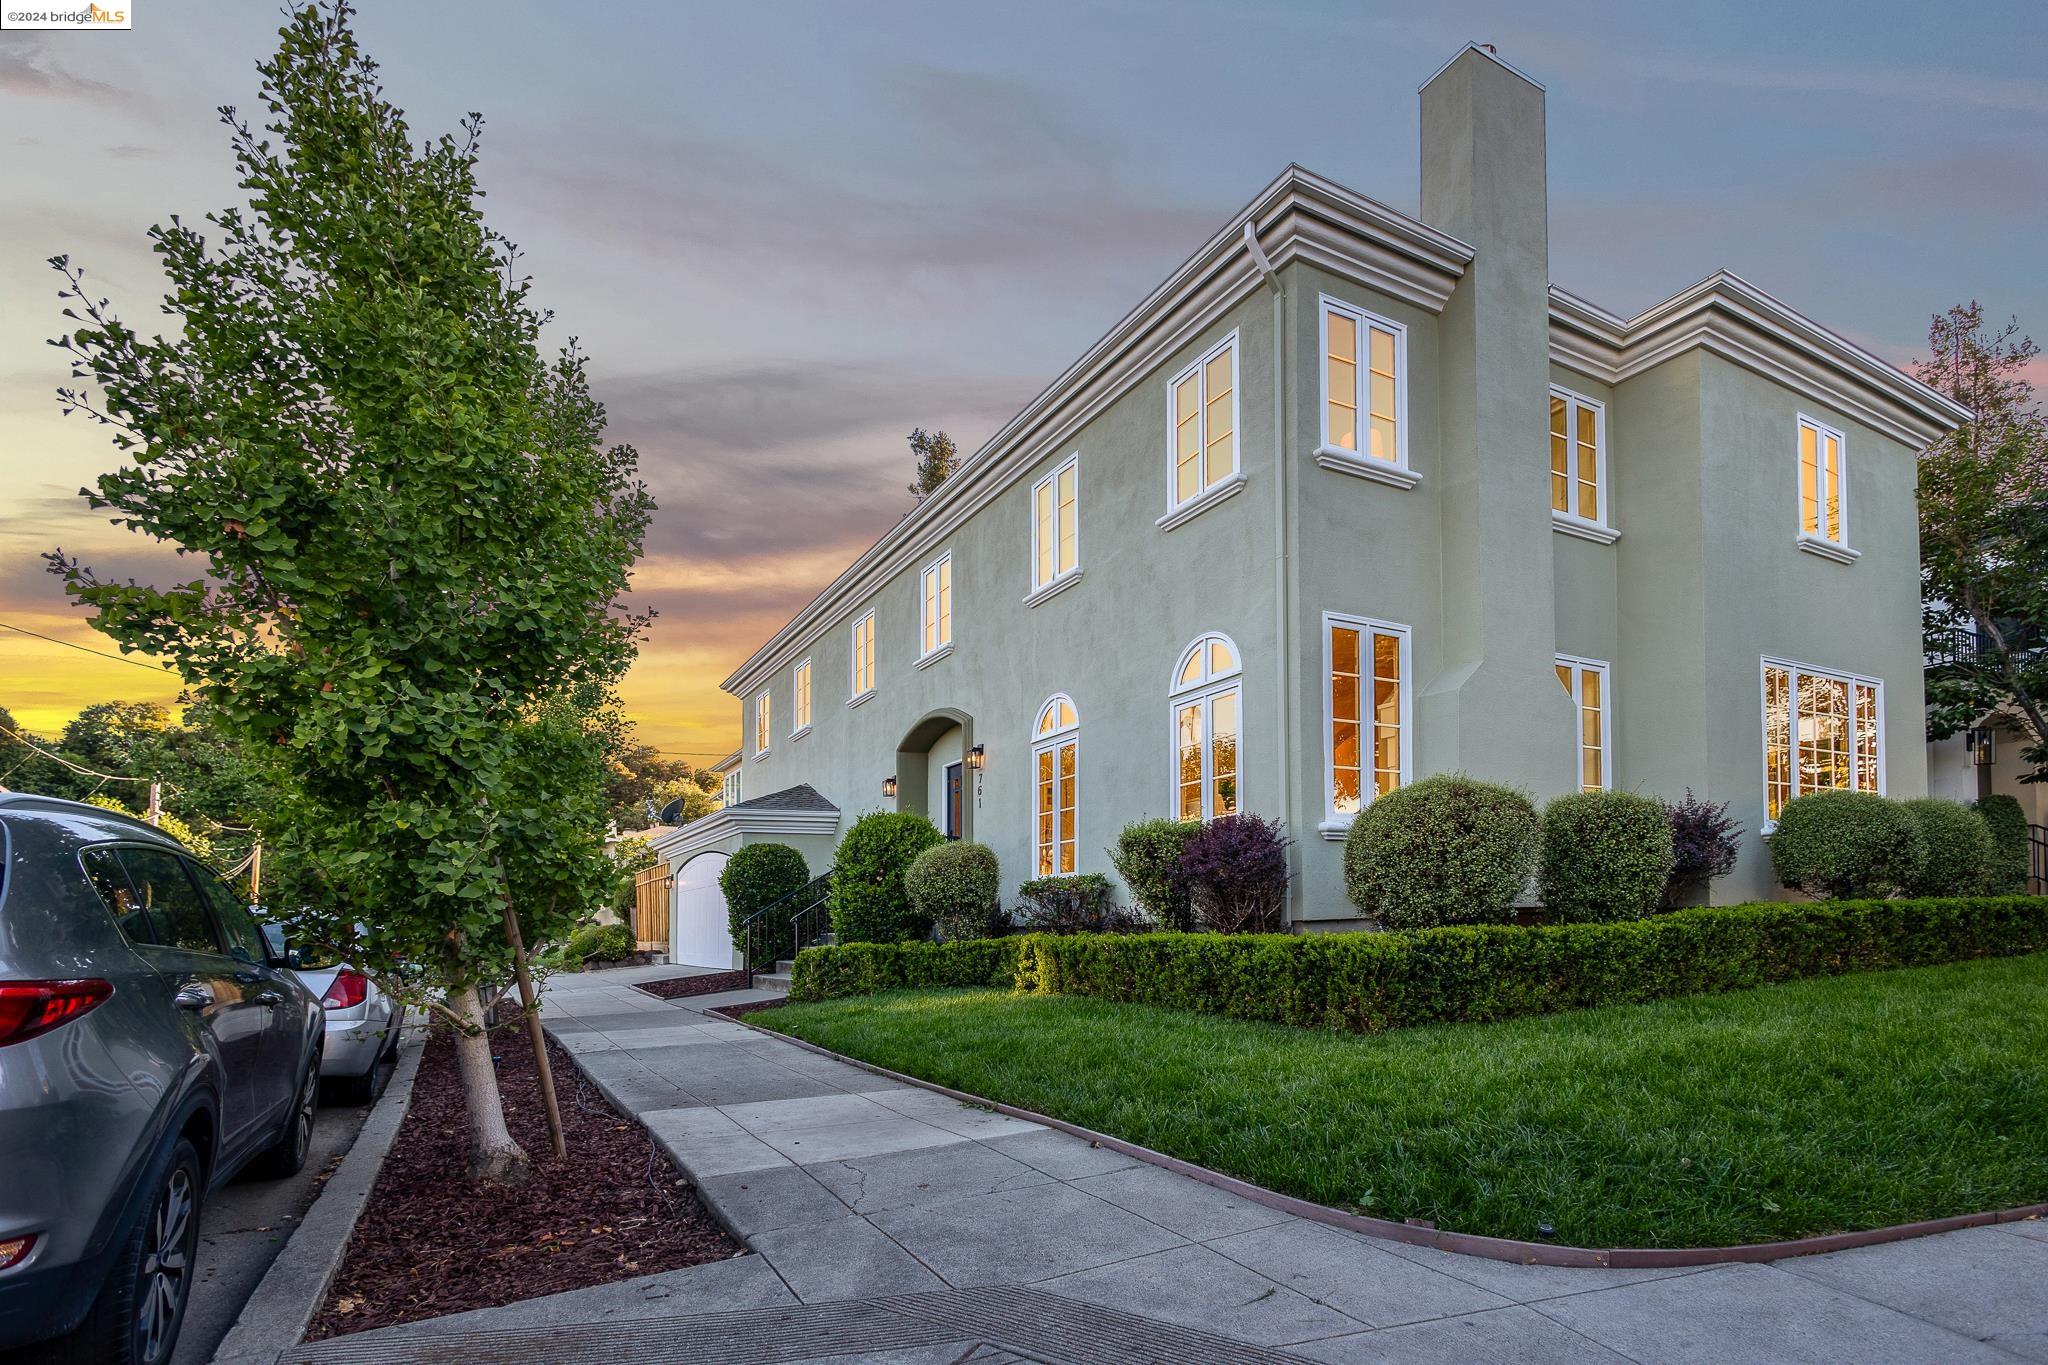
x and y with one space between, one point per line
1496 706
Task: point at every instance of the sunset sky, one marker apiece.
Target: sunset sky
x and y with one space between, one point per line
788 233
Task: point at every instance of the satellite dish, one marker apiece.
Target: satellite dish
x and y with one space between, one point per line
672 813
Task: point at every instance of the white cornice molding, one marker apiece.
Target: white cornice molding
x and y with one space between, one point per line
1300 215
1729 317
719 826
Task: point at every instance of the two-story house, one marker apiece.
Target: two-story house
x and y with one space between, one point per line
1352 498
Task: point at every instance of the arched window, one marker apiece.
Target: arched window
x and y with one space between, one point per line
1208 704
1056 759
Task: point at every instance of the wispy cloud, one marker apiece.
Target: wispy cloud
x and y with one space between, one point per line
29 71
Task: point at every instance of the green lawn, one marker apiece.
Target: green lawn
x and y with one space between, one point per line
1820 1106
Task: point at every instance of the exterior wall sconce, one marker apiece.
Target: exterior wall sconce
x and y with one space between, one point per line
977 757
889 786
1983 746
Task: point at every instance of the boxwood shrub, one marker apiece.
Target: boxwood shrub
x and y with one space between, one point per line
1842 845
1956 849
1369 982
1147 857
756 877
868 903
2007 820
599 943
1606 856
1078 902
1445 850
957 886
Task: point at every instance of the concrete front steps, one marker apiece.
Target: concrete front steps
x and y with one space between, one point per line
777 980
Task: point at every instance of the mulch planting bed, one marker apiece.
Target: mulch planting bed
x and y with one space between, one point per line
676 987
746 1007
430 1242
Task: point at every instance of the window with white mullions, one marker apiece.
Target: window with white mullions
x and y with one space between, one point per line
1056 765
1202 402
1578 457
764 731
1823 731
1367 736
1055 524
1585 682
1823 506
1364 378
1207 712
800 700
861 678
935 623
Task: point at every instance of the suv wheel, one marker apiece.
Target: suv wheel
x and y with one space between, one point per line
287 1156
135 1319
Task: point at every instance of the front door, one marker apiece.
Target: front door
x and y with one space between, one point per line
956 793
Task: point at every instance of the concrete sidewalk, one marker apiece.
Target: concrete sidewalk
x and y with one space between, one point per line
893 1224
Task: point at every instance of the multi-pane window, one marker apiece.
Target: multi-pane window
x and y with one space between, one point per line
1585 682
800 698
1208 703
1362 384
1056 524
1203 410
1821 503
1578 456
1366 705
936 622
1056 759
729 789
763 732
863 671
1823 731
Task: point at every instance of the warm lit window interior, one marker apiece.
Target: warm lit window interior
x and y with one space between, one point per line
1361 375
1056 758
938 605
1585 682
864 655
1577 451
1368 668
1208 703
1055 530
1205 423
800 687
1820 481
1822 732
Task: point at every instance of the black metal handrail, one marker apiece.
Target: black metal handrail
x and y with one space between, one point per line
768 931
2037 860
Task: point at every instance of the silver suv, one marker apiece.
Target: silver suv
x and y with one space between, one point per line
152 1044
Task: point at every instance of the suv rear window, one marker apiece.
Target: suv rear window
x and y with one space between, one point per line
103 869
170 897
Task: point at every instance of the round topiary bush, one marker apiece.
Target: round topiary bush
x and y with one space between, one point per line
1606 856
2007 821
868 902
1445 850
1846 845
1957 849
1147 857
957 887
599 943
754 878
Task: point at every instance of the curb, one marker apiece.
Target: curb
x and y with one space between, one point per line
275 1318
1419 1232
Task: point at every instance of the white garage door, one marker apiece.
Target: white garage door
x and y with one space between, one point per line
701 937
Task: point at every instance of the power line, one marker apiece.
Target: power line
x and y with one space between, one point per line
88 649
78 768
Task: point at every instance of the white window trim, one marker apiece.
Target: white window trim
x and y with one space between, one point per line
1335 824
857 693
1178 511
1838 550
1600 666
924 578
1205 692
1060 577
764 724
1055 740
1396 472
1600 530
729 790
1763 694
799 716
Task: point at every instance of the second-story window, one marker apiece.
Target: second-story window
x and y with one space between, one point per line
800 699
729 789
1203 401
763 731
1823 511
936 615
1578 457
863 670
1363 381
1056 524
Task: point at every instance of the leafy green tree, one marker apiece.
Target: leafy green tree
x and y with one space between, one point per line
414 538
937 460
1984 536
641 777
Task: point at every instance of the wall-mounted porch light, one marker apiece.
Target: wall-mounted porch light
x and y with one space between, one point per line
977 756
1982 743
889 786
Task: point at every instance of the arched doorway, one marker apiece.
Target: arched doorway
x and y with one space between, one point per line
701 936
932 774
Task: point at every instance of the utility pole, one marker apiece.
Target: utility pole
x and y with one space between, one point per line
156 803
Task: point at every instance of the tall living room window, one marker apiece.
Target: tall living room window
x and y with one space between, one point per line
1362 384
1823 731
1056 761
1365 696
1208 705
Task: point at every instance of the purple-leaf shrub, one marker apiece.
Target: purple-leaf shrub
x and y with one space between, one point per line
1235 870
1704 841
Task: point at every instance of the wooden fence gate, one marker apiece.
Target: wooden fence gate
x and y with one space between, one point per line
650 909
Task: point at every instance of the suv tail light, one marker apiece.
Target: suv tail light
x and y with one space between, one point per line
29 1008
13 1250
346 991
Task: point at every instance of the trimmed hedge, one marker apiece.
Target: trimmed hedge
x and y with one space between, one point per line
1840 845
599 943
1446 850
957 886
2008 823
868 903
757 876
825 973
1957 847
1373 982
1606 856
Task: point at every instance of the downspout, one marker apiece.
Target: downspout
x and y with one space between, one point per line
1283 532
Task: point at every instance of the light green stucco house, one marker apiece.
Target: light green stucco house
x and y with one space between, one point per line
1353 498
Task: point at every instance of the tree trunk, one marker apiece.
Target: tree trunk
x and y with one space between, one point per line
493 1155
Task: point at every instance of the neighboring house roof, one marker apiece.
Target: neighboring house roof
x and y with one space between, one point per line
793 810
1302 216
728 763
